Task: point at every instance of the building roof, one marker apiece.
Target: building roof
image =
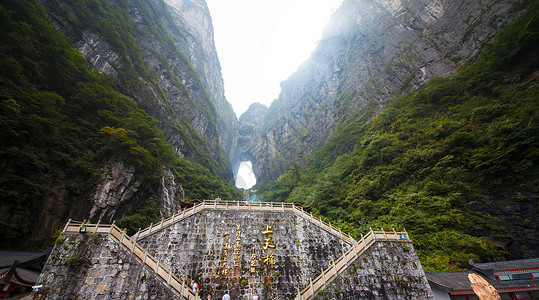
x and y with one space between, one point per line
457 282
22 268
7 258
524 264
450 281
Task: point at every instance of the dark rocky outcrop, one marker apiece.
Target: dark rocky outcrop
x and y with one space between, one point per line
371 51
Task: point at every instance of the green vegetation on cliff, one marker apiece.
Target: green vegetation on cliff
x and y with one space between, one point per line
61 122
432 159
112 22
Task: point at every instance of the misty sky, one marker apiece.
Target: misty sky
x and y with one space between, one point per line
262 42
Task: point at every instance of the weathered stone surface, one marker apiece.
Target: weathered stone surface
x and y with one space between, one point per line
247 123
116 186
170 194
371 51
204 244
387 270
194 247
92 266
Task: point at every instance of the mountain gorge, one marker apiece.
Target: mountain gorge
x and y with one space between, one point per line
370 52
415 114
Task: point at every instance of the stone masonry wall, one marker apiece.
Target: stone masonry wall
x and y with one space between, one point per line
272 253
195 247
93 266
387 270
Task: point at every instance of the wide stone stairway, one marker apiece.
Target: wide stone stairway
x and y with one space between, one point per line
274 249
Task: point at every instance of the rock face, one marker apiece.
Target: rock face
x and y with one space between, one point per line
118 190
247 123
371 51
178 83
187 93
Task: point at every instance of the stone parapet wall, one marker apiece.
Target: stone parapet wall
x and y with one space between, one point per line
93 266
387 270
195 246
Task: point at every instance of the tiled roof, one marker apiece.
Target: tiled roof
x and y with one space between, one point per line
28 275
509 265
7 258
450 281
458 281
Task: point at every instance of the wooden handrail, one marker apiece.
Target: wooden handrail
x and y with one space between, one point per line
117 234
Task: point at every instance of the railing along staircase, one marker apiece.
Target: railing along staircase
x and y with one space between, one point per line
179 288
120 236
241 206
337 267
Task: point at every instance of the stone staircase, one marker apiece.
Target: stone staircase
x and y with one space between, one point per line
337 267
240 206
120 236
182 290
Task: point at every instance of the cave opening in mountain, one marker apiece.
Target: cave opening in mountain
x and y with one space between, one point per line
245 179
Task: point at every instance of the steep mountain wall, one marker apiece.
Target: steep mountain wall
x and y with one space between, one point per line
79 144
372 50
173 73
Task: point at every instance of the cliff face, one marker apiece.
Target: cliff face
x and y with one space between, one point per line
372 51
174 74
162 56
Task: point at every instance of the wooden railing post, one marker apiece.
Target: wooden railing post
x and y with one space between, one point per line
150 229
324 277
122 237
97 225
169 277
312 288
363 240
112 226
67 225
157 266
